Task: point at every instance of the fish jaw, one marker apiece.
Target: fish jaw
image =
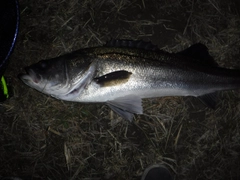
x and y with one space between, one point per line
32 79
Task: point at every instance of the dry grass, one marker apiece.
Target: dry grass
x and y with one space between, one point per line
43 138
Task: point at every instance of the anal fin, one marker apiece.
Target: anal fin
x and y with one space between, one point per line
126 106
209 99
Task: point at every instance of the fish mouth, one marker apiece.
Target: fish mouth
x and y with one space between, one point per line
30 76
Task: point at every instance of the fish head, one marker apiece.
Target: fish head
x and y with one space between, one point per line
47 76
59 77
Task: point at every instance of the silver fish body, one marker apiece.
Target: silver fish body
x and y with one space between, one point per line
122 76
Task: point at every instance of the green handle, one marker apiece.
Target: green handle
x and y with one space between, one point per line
4 86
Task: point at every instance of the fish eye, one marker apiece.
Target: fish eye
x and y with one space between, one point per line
43 64
56 76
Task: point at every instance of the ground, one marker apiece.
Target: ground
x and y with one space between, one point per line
44 138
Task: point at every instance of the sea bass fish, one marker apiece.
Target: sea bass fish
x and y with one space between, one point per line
123 72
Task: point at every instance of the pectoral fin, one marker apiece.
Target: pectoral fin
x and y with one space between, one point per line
126 106
113 78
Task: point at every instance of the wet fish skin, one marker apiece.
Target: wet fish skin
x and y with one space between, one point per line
122 75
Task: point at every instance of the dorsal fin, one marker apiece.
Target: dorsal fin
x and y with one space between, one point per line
132 44
200 53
